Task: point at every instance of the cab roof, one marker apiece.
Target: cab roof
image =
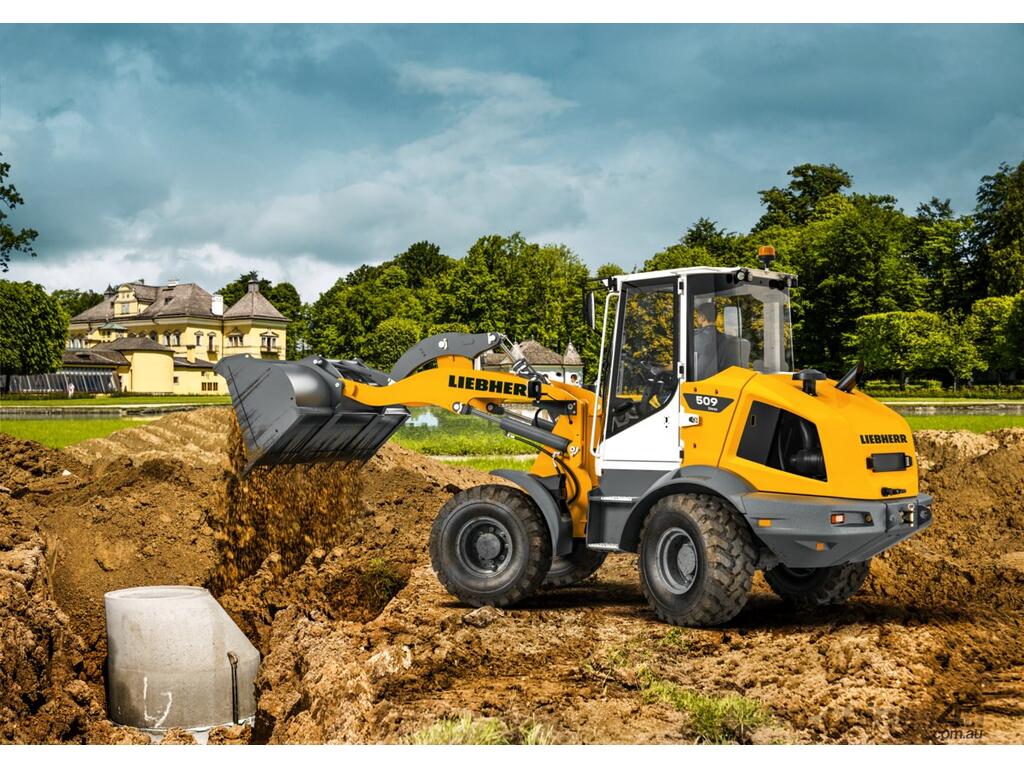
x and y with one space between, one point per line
765 274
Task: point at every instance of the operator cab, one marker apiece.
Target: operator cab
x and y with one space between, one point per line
673 326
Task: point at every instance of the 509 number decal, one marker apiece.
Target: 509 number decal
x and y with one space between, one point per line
710 403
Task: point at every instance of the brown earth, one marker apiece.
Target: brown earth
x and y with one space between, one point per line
326 569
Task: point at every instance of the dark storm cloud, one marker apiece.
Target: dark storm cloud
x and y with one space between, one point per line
200 152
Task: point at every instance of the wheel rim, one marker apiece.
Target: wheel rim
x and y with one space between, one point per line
484 546
677 560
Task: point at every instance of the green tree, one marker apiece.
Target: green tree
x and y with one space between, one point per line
287 301
988 327
423 262
520 289
12 241
681 256
609 270
389 341
951 347
796 203
343 318
437 328
938 241
364 273
706 234
75 301
33 329
896 342
1015 331
997 239
850 264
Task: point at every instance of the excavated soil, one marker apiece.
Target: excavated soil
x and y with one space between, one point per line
326 569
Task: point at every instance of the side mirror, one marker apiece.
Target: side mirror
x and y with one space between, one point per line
588 310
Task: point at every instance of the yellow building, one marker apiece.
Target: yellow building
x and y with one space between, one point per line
167 338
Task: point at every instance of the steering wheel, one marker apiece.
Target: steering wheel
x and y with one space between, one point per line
658 380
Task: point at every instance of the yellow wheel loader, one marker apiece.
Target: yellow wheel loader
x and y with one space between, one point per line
699 447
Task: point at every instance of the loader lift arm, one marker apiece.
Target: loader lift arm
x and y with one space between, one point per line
343 410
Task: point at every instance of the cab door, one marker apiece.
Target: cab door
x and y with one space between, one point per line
641 428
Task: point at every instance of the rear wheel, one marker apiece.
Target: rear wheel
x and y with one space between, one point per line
490 546
696 560
814 587
575 566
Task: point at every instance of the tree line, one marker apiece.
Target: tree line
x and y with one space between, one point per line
934 292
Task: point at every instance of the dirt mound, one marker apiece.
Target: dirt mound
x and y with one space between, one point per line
42 696
326 569
195 438
972 553
23 462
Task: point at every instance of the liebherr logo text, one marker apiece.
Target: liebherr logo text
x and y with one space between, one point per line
883 439
487 385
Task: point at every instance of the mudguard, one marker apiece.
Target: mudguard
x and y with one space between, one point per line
559 522
692 479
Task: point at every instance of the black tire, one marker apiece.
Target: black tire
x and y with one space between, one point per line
696 560
574 567
490 546
816 587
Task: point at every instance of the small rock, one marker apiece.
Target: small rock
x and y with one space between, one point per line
105 563
390 661
177 736
79 691
4 489
65 473
317 556
230 734
482 616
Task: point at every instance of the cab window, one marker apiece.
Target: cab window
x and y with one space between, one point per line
645 377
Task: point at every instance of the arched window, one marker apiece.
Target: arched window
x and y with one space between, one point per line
211 347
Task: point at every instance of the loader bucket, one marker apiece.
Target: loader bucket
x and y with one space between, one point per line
293 412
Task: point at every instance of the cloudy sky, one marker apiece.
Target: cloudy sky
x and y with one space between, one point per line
198 153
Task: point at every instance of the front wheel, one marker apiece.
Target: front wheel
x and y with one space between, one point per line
490 546
816 587
696 560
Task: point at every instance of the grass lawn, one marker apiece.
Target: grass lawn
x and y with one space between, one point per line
457 436
64 402
487 463
975 423
58 433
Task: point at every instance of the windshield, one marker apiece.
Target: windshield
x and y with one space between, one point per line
744 324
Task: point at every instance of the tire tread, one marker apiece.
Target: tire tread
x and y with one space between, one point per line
730 555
